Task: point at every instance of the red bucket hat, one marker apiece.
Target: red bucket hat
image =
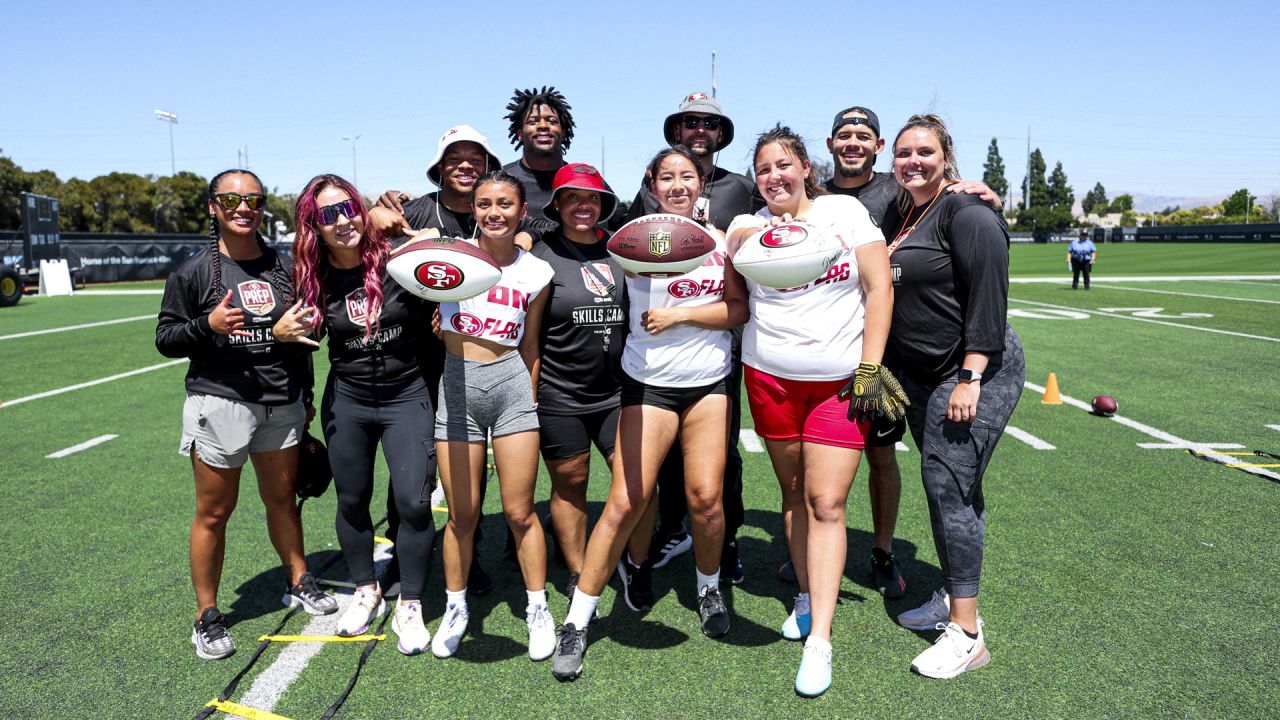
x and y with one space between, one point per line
582 177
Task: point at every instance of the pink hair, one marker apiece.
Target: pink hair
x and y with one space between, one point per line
310 261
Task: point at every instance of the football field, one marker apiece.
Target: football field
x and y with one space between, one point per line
1124 576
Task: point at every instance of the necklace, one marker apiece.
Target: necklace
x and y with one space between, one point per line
905 231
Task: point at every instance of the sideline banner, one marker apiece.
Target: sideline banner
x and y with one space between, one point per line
97 258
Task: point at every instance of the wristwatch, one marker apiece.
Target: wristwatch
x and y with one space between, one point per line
967 375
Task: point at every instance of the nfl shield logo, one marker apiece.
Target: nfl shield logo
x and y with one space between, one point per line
659 243
256 296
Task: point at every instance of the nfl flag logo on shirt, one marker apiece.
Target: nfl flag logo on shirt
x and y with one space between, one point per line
357 306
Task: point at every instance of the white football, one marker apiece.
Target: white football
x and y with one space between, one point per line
444 269
786 256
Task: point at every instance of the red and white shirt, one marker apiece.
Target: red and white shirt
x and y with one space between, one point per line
498 315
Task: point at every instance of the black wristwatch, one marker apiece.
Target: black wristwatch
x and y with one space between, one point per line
967 375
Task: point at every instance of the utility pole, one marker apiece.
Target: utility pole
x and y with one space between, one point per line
713 73
355 173
172 119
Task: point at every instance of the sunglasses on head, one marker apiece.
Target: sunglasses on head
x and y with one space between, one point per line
692 123
328 214
231 201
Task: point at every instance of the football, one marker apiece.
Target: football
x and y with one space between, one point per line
444 269
786 256
1105 405
661 246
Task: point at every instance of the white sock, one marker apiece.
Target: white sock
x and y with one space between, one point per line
455 597
536 597
581 609
706 581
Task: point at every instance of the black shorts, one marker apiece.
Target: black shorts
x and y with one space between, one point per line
885 433
566 436
677 400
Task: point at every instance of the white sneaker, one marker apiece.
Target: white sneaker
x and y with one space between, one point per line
449 635
366 606
952 654
414 636
796 626
542 632
814 676
928 615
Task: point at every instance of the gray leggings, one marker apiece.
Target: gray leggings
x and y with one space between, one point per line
954 456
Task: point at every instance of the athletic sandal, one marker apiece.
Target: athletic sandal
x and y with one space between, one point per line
366 606
542 632
796 626
408 625
308 594
449 635
928 615
210 636
953 653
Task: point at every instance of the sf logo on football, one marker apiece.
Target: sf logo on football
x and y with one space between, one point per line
439 275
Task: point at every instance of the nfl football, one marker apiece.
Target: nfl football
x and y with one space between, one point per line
786 256
661 246
1105 405
444 269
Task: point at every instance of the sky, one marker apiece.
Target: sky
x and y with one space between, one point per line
1173 99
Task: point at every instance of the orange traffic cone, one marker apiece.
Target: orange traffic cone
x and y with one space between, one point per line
1051 394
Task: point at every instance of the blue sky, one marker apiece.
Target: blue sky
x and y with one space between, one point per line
1171 99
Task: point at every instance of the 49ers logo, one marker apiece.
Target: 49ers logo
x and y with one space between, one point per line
439 275
684 288
256 296
784 236
467 324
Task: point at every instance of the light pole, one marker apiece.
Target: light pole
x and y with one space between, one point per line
172 119
355 174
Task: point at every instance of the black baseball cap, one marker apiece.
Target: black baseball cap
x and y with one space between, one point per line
870 120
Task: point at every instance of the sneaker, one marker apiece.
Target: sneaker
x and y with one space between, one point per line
637 584
308 594
714 614
542 632
408 625
814 676
731 565
570 647
479 583
366 606
797 624
928 615
449 634
666 547
787 573
210 636
952 653
886 576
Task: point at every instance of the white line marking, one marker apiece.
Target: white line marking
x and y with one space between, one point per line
1246 282
901 447
77 327
1147 278
91 383
119 292
1187 294
1193 446
82 446
1274 427
750 440
1157 434
1028 438
1149 320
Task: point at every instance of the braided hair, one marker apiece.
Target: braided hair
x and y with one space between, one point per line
280 280
524 102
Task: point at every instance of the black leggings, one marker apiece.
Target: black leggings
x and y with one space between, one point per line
355 420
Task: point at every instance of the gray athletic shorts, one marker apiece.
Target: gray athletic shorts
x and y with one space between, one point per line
478 399
224 432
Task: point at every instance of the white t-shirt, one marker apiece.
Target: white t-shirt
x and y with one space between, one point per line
683 355
813 332
498 315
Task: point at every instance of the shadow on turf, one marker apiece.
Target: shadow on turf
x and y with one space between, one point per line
260 595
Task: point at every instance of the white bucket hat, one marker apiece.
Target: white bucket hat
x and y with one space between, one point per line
457 134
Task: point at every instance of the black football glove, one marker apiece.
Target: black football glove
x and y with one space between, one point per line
872 391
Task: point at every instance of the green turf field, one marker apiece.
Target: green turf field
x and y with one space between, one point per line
1121 581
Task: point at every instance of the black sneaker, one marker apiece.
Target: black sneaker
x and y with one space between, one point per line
665 547
571 645
479 583
308 594
715 616
210 636
731 565
885 575
787 573
637 583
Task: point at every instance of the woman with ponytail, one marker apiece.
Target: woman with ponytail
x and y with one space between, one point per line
248 396
376 393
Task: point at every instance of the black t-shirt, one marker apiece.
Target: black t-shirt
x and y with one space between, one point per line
393 355
583 329
728 195
428 212
253 368
950 288
878 196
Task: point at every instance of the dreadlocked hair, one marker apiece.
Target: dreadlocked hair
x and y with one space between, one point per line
524 101
793 144
935 125
311 261
280 280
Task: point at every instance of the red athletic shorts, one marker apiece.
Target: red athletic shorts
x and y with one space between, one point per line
806 410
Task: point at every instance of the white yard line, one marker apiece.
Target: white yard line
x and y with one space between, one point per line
1147 278
1274 427
901 447
82 446
750 440
1028 438
1168 438
91 383
1195 446
1147 320
1187 294
77 327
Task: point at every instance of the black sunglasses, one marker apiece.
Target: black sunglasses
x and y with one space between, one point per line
328 214
691 123
231 201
